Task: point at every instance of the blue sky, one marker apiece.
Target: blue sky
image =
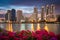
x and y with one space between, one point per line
27 5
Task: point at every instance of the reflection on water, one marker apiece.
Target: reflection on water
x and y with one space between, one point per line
32 27
22 27
9 27
46 27
38 26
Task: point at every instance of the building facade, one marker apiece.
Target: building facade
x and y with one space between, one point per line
19 15
13 15
42 13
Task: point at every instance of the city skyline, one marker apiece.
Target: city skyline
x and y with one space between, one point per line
27 5
14 11
46 11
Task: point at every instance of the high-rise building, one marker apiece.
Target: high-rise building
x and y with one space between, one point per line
13 15
47 9
52 9
8 15
35 13
42 13
19 15
51 17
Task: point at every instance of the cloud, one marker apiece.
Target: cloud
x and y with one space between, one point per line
25 9
2 12
26 5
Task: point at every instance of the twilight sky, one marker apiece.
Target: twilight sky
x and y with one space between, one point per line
27 5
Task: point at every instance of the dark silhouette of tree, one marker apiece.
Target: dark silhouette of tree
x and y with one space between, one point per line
58 18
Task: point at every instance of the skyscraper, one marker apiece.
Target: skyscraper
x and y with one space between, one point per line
35 13
42 13
13 15
47 9
52 9
51 17
19 15
8 15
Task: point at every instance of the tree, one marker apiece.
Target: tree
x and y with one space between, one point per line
58 18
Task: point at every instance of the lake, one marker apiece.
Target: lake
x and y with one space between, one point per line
54 27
